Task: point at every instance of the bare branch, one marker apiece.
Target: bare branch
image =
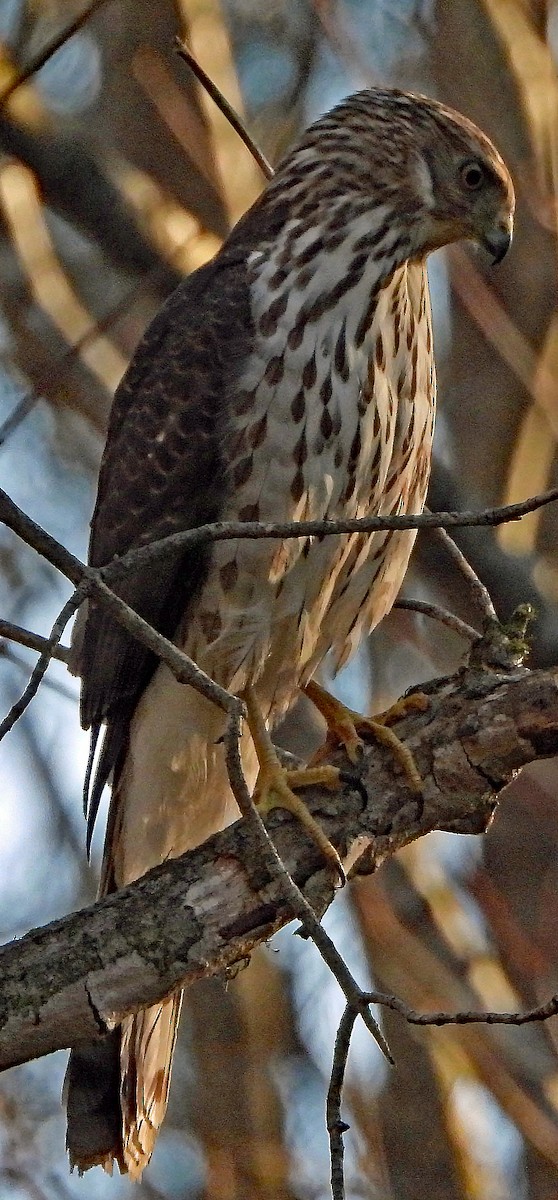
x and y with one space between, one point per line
41 541
222 531
183 667
91 580
33 641
41 666
541 1013
22 664
297 902
51 47
440 614
70 566
77 978
227 109
479 592
335 1126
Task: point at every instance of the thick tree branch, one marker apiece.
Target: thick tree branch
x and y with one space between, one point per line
203 913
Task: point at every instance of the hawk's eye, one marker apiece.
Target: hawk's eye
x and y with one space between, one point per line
472 175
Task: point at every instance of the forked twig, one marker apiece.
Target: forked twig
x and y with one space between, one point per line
38 672
33 641
82 576
356 997
336 1127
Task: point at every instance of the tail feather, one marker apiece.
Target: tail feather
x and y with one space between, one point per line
146 1054
170 793
91 1092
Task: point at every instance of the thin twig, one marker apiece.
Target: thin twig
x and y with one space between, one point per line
70 566
222 531
59 365
35 536
33 641
543 1012
335 1126
298 903
184 669
479 592
51 47
52 685
37 674
182 666
442 615
223 105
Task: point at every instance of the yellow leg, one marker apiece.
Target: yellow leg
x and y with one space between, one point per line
348 728
275 784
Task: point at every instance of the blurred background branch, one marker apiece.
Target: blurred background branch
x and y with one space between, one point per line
117 175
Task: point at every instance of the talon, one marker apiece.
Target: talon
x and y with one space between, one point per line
275 785
416 702
347 728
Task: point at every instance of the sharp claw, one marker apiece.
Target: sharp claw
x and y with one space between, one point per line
355 782
348 728
276 785
341 873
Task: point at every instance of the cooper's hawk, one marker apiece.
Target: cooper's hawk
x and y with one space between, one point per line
291 378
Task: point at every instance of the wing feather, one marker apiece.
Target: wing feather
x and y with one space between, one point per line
162 472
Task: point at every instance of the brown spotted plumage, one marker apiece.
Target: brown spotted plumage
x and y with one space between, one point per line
291 378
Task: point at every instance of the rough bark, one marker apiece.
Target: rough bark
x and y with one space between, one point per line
201 914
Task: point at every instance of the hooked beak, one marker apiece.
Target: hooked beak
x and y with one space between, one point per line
498 240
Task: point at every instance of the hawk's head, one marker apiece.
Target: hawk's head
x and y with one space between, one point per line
420 173
462 184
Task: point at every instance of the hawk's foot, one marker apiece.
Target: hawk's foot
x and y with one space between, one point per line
276 785
348 728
